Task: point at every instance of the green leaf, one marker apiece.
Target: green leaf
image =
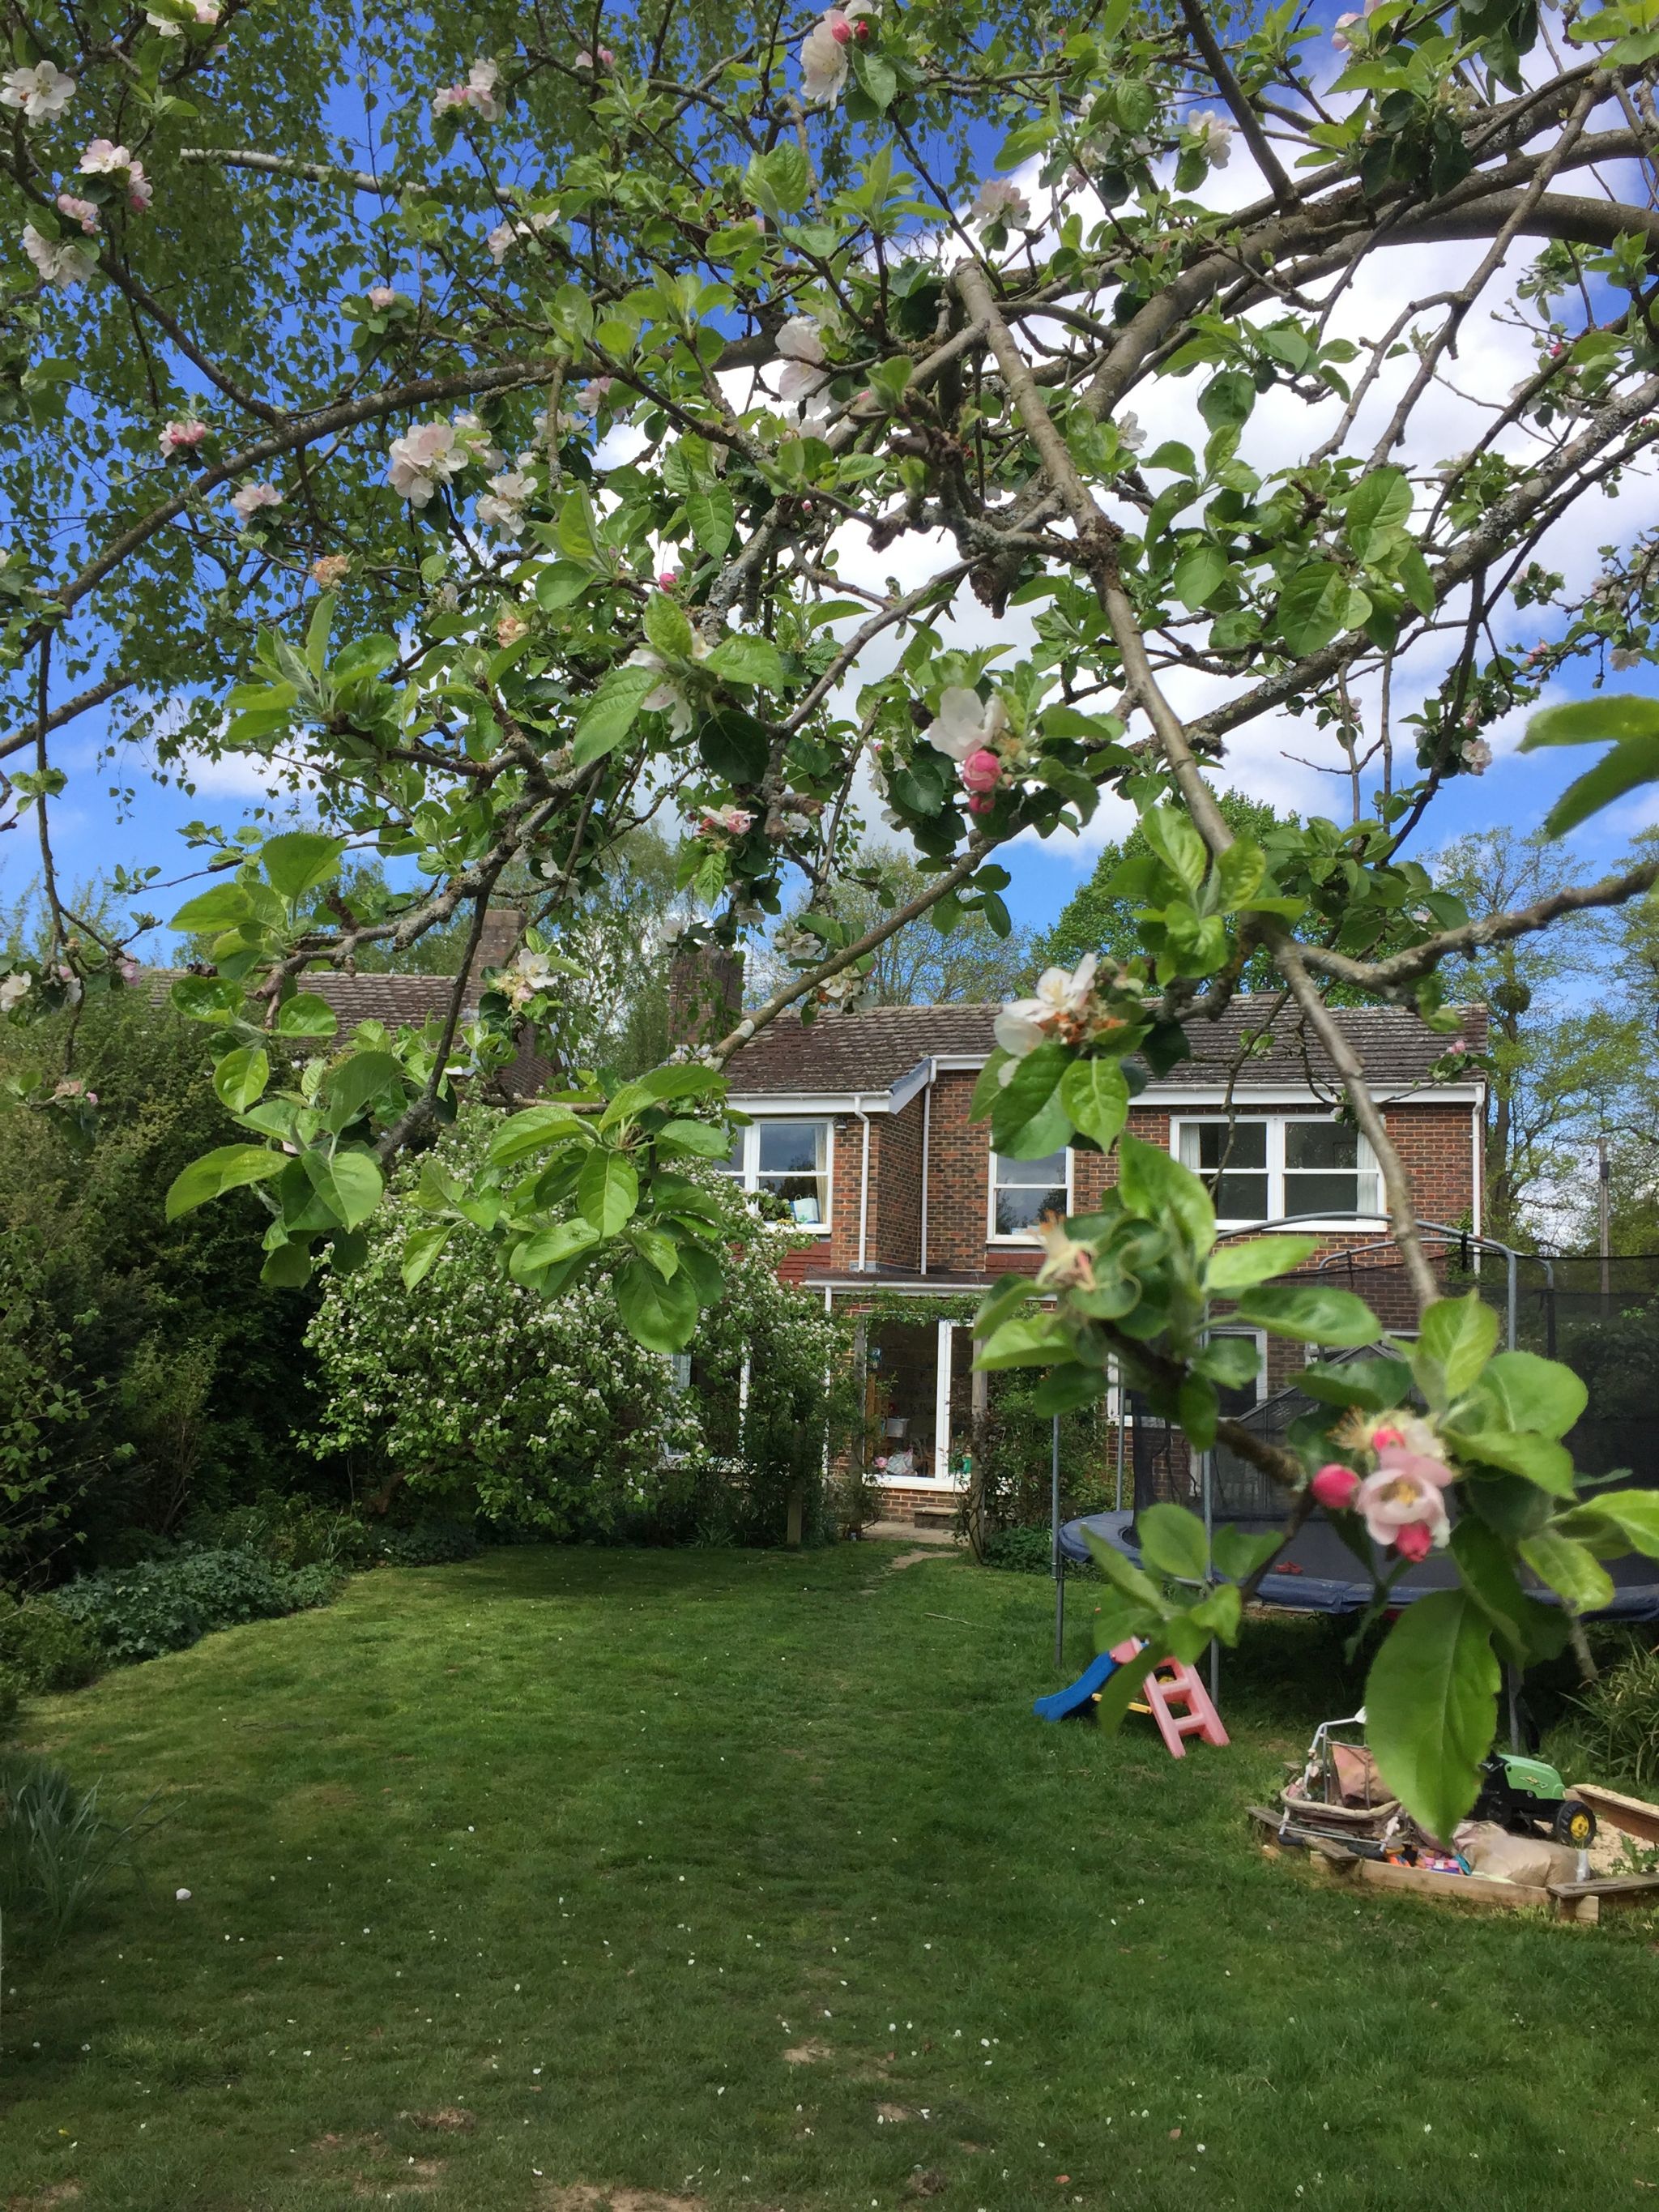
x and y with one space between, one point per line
288 1265
350 1183
1096 1095
227 1169
659 1313
1539 1460
1536 1394
668 626
578 531
1240 871
607 1192
611 713
713 519
305 1014
1227 400
1624 769
1027 1121
1312 1312
1199 574
876 76
1483 1560
532 1131
1375 1384
240 1077
1607 718
1237 1554
1176 843
564 1241
1460 1336
780 181
423 1251
561 584
1633 1513
1380 500
1569 1568
357 1081
1432 1707
1037 1339
1171 1542
1240 1266
225 907
299 860
1155 1187
708 1139
741 659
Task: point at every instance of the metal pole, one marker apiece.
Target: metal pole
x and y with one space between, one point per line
1060 1564
1511 1264
1123 1429
1605 1174
1208 1461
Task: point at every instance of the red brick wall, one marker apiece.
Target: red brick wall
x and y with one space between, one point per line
1435 1140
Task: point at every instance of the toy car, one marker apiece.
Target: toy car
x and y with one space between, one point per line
1518 1792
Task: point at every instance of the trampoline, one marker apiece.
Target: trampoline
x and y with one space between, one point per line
1320 1574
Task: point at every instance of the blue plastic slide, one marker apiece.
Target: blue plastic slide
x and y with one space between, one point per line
1075 1697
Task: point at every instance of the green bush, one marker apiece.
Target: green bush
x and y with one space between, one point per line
11 1700
44 1648
137 1612
294 1532
1612 1732
428 1544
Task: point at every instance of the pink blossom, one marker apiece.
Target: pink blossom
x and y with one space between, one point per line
606 59
981 802
328 569
510 627
251 497
1335 1486
104 158
130 971
981 771
422 457
181 437
1397 1498
593 394
140 190
666 579
733 821
382 295
1339 38
84 212
823 57
479 92
999 201
1414 1541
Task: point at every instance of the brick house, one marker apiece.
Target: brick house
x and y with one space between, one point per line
861 1124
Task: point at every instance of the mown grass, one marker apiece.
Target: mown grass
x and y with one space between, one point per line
517 1876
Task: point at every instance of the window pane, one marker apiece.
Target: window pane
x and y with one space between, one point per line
1322 1194
733 1164
1031 1175
791 1147
1019 1208
1240 1197
1205 1143
1321 1145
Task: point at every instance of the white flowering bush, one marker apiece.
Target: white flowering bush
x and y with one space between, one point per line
544 1414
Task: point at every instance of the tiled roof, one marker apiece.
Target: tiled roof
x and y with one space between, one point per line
839 1053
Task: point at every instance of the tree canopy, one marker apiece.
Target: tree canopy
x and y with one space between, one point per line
713 418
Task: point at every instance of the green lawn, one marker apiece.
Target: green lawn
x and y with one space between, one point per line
515 1885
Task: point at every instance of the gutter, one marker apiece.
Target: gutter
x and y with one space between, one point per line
863 1183
927 1154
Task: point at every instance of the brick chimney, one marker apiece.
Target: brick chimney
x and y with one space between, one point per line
705 993
498 941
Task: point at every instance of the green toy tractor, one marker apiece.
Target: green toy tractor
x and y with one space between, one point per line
1517 1793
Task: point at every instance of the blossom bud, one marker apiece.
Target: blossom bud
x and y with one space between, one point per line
1335 1486
666 579
981 771
981 803
841 31
1414 1541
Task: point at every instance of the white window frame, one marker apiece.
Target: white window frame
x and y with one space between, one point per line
946 1484
748 1178
1025 1239
1275 1126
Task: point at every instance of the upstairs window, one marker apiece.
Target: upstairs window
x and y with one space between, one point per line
791 1160
1024 1191
1279 1167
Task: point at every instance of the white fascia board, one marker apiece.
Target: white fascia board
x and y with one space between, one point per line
789 1103
1207 1097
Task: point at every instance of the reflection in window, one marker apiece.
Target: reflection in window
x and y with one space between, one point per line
1024 1191
1232 1159
793 1162
1328 1169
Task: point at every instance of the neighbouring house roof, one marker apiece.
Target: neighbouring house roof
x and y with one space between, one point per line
873 1052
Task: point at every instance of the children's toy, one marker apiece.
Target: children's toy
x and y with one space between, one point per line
1520 1793
1176 1699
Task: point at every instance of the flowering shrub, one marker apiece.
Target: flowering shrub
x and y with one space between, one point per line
546 1414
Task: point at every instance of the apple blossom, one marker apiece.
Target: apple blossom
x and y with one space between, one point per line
606 59
1214 134
1060 1000
1477 754
510 627
205 12
525 976
666 579
1335 1486
1622 656
965 724
84 212
381 296
104 158
1393 1500
128 971
478 92
824 58
668 697
251 497
330 569
14 989
728 821
61 262
181 437
593 394
804 373
1068 1265
999 201
41 90
422 459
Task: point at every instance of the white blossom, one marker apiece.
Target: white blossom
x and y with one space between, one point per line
1214 134
999 200
1477 754
251 497
14 989
205 12
61 262
479 92
1130 436
965 722
422 459
1061 995
668 697
42 91
824 59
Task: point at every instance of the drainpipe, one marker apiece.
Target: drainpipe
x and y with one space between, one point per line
926 1153
864 1181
